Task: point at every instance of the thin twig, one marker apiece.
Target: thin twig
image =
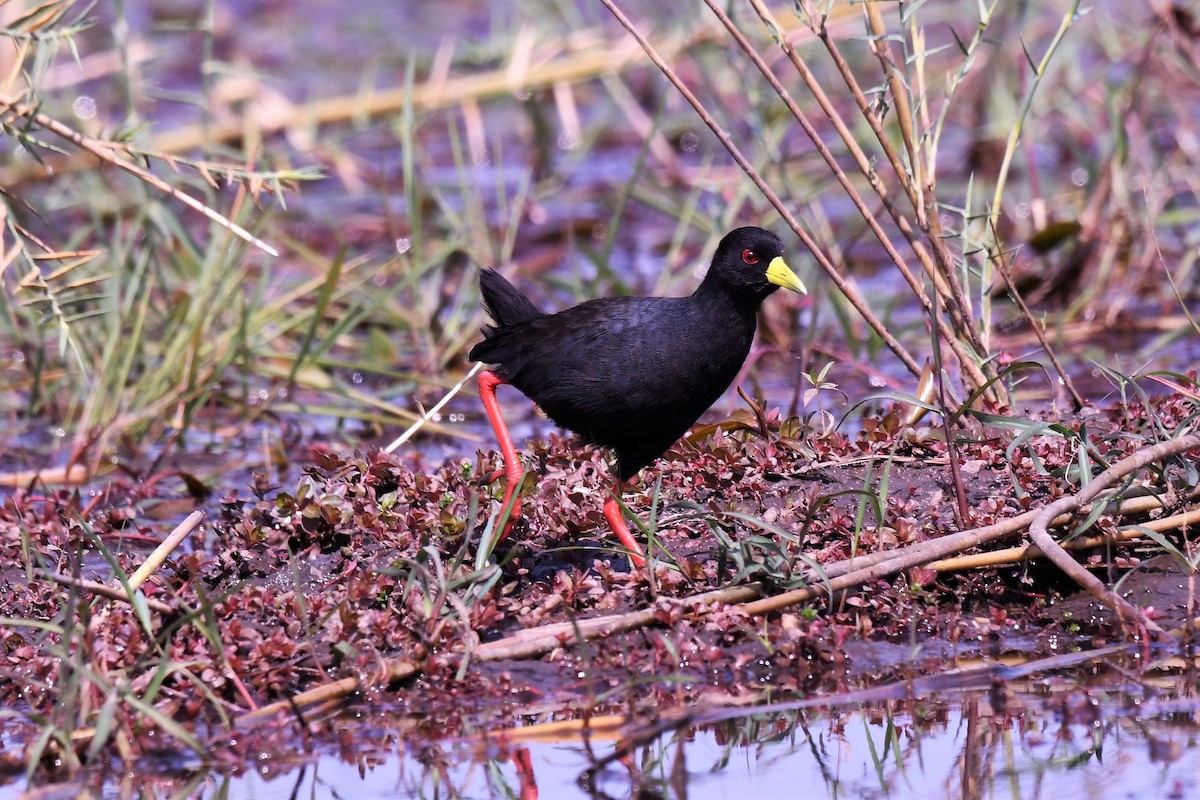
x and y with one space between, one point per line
922 176
882 48
101 589
425 418
969 364
1062 559
957 304
1038 329
107 154
941 252
865 164
823 261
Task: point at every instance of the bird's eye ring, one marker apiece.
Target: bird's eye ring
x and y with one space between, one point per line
749 256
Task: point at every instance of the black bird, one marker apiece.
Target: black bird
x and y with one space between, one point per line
628 373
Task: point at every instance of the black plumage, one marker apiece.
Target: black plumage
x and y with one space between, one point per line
634 373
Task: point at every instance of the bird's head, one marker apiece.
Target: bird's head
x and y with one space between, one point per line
750 261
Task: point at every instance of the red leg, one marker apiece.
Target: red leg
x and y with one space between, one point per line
524 765
488 381
616 521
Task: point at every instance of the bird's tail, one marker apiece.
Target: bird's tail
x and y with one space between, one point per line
503 303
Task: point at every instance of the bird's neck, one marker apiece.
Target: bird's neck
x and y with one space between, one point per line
721 299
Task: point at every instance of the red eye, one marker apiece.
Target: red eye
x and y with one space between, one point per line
749 256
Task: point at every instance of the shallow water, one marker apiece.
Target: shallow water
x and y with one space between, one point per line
1052 741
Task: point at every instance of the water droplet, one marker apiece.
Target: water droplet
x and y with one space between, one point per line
403 245
85 107
1079 176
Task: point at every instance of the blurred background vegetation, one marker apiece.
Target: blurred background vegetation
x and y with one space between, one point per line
388 151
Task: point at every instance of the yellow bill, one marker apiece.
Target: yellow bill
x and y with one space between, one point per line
780 274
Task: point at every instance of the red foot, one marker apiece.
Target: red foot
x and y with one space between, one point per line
616 521
488 381
528 781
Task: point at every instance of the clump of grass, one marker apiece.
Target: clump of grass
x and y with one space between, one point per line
126 325
106 694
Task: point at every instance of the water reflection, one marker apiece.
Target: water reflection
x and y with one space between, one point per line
1041 742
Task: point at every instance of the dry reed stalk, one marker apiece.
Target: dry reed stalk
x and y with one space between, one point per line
160 554
101 590
74 475
1040 535
865 164
944 275
943 546
1014 555
425 418
588 63
529 643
